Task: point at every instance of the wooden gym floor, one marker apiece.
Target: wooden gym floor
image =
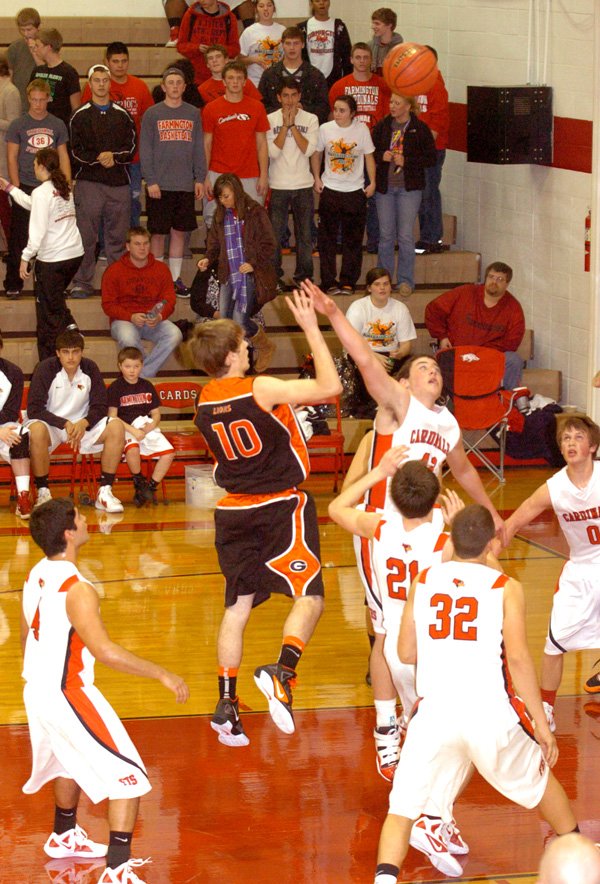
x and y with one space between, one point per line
285 810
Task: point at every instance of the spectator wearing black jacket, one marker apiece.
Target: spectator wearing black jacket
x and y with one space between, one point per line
103 144
404 148
314 94
327 43
68 403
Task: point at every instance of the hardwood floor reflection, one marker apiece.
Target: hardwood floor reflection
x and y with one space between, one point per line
306 808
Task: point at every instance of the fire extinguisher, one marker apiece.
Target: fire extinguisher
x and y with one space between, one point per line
587 241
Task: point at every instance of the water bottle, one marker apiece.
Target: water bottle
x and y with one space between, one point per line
156 310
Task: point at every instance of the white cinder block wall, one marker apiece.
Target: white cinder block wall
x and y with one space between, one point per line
530 217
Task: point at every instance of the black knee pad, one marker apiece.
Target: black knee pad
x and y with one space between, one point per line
21 449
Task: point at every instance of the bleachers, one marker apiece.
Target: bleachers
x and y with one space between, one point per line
84 41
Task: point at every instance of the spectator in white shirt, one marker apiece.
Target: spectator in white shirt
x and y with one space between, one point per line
292 139
55 244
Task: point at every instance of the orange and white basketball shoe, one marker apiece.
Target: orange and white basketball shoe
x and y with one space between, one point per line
387 747
74 843
427 835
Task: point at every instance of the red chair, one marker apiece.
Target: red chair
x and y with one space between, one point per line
473 380
332 444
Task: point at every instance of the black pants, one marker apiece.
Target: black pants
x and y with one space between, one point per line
19 234
350 211
52 313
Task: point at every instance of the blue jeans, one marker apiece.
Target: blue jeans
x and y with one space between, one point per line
135 187
513 370
431 225
165 336
228 308
397 210
302 212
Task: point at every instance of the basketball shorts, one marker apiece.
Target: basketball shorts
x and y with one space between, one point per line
4 447
575 616
78 735
443 741
155 444
267 544
174 209
89 443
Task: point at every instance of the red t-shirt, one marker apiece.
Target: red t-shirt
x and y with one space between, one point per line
233 125
372 97
211 89
134 96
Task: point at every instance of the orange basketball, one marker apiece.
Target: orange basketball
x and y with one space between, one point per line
410 69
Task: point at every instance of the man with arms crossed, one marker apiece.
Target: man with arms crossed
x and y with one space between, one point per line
574 495
463 617
76 737
261 455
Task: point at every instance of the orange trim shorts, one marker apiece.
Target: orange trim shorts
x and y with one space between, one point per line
268 543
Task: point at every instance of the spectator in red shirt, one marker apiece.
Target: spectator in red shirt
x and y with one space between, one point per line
434 111
372 96
207 22
235 139
131 93
216 59
486 315
137 297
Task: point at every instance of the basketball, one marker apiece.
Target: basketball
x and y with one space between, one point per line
410 69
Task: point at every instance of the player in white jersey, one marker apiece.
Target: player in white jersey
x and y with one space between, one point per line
463 617
574 495
429 429
76 737
403 542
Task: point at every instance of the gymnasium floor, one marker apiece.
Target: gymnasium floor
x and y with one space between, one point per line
285 810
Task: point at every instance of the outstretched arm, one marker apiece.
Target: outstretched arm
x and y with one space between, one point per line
269 391
527 512
342 509
466 475
84 613
384 389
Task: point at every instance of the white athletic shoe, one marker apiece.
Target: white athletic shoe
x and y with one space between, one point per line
74 843
427 835
124 873
387 746
106 500
455 841
549 710
43 495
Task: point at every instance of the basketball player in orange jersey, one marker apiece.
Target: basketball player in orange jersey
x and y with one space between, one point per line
574 495
266 528
463 618
77 740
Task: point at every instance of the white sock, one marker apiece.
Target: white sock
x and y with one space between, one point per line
22 483
175 265
384 878
385 711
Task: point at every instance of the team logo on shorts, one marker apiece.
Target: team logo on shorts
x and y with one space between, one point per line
298 565
542 767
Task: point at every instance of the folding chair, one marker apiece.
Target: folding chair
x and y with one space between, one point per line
332 442
473 380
